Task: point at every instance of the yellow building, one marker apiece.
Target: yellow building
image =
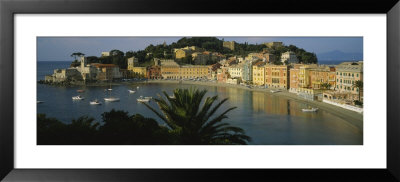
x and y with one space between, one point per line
141 71
304 78
132 61
347 73
277 76
181 53
229 44
273 44
258 74
193 71
170 72
321 75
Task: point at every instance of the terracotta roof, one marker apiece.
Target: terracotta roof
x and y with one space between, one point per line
105 65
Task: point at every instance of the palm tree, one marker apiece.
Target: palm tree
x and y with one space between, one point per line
326 85
359 85
193 124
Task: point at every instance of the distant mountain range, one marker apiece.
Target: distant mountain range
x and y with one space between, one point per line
339 56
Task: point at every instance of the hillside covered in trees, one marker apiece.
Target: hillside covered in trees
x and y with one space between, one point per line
212 44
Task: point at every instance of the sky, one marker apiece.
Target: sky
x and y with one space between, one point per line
60 48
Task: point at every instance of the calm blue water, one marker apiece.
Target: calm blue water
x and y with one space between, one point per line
266 118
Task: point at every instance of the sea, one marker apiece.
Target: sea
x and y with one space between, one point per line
268 119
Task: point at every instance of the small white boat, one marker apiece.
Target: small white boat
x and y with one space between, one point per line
137 87
310 110
131 91
148 97
78 97
109 89
95 102
111 99
39 102
275 91
143 99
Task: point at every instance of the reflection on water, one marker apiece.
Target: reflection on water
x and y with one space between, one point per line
267 118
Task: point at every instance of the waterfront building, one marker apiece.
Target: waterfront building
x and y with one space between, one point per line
229 44
273 44
235 71
132 62
154 72
347 73
259 73
289 57
294 77
60 75
107 71
222 75
193 71
322 75
170 72
233 81
247 70
277 76
88 71
212 71
140 71
304 79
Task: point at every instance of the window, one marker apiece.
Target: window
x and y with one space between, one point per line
357 74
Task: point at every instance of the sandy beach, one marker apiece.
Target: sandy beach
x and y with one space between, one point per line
354 118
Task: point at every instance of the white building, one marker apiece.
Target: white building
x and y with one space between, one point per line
290 57
105 54
235 71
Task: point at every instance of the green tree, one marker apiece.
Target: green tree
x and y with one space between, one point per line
326 85
77 54
359 85
193 124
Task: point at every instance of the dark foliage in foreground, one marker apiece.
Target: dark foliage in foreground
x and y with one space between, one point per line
193 122
118 129
189 120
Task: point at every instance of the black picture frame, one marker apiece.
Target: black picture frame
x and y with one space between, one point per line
8 8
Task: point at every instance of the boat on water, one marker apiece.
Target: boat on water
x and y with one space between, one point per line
275 91
310 110
111 98
143 99
78 97
80 91
137 87
131 91
95 102
39 102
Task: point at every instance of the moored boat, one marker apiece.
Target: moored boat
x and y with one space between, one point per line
111 99
80 91
310 110
143 99
95 102
39 102
78 97
131 91
275 91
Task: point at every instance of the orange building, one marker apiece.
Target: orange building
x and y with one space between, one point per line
277 76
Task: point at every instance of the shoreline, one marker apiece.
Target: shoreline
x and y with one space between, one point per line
352 117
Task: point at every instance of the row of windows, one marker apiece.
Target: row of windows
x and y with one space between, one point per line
346 88
347 74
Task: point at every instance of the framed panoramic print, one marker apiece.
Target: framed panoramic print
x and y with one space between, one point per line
186 91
